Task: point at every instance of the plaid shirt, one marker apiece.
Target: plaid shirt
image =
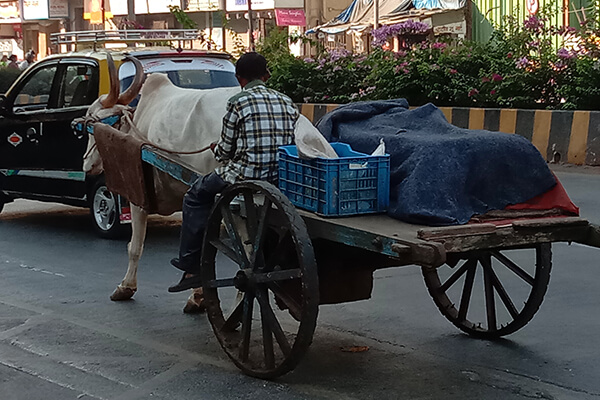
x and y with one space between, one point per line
257 122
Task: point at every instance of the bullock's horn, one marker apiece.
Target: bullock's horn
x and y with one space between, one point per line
111 98
132 91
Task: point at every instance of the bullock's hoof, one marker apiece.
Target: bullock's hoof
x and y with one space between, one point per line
122 293
195 304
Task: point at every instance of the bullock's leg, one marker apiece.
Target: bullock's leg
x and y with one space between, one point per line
195 303
128 286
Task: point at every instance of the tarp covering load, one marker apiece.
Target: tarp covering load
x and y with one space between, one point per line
441 174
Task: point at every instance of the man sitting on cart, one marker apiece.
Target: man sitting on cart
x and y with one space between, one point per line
258 121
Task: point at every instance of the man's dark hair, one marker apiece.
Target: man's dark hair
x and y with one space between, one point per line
251 66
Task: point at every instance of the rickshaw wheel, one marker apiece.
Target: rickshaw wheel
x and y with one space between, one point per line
257 252
488 295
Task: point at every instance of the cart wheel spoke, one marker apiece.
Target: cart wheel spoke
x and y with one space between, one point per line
467 289
268 351
257 253
513 267
234 236
508 303
275 267
490 303
235 317
274 326
455 277
248 308
227 250
513 275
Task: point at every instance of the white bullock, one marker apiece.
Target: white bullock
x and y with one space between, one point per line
181 120
171 118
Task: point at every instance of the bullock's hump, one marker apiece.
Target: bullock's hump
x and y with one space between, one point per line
155 81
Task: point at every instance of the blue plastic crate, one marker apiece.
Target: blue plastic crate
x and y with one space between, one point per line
354 183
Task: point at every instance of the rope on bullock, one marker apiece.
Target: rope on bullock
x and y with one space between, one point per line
140 135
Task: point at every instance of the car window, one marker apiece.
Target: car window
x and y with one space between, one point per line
192 79
77 87
202 79
35 93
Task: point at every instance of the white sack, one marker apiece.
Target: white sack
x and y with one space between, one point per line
380 150
310 142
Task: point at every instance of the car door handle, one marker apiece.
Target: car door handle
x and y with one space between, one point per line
33 136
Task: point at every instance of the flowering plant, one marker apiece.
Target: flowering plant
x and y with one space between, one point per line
383 34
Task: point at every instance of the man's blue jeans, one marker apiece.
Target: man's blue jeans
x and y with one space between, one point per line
197 203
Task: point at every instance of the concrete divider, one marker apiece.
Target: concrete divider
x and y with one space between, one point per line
561 136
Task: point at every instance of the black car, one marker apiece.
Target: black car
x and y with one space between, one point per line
40 156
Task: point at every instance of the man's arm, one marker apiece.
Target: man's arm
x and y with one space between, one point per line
226 146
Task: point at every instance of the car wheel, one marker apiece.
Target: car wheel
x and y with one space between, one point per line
104 208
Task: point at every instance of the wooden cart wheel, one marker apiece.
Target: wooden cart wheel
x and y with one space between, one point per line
486 294
260 279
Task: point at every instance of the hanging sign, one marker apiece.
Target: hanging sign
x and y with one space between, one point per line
532 6
290 17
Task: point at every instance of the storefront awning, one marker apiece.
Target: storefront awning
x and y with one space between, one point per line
358 16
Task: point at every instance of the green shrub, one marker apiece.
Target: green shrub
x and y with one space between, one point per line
524 65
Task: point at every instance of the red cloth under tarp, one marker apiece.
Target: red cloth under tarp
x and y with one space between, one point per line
554 203
555 198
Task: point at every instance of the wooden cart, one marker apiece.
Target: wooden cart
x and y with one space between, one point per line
267 266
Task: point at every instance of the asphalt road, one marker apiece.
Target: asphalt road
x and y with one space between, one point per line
62 338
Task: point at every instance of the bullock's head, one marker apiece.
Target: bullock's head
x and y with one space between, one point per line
112 103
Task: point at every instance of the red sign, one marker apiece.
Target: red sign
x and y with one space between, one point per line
290 16
532 6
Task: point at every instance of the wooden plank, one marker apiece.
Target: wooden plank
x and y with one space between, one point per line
510 238
455 230
558 223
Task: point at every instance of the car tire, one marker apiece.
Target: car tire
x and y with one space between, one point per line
105 213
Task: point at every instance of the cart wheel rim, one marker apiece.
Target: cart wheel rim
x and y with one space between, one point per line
104 208
270 325
489 295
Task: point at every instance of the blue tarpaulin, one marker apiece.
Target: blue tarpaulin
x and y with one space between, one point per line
440 174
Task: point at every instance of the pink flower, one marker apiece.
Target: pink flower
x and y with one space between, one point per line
509 55
453 71
492 92
473 92
485 79
496 77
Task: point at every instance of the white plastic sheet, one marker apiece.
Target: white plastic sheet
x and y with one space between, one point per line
310 142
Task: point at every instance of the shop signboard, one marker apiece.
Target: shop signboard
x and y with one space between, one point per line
290 17
35 9
203 5
242 5
59 9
